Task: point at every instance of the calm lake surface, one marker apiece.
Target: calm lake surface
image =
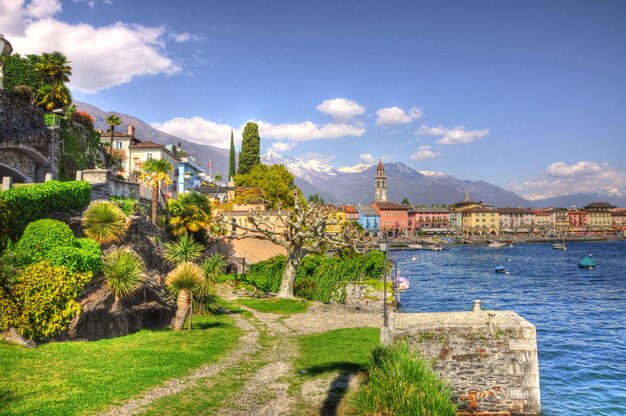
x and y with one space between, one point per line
580 314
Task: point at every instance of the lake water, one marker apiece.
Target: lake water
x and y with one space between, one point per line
580 314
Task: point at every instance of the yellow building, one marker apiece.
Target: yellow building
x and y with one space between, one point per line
481 221
599 219
336 220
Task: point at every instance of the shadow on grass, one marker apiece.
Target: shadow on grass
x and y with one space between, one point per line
339 386
209 325
342 366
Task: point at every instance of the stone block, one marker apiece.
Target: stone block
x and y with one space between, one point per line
7 183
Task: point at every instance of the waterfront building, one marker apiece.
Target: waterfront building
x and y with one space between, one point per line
466 203
352 213
380 184
429 220
336 220
599 215
516 219
545 218
369 219
561 219
578 220
456 221
394 218
618 220
481 221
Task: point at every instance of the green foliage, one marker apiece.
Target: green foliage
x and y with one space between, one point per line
23 92
318 277
104 222
400 382
75 259
5 223
187 276
316 199
405 201
122 272
28 203
185 249
250 154
81 144
275 181
274 305
50 98
128 205
20 70
204 297
190 212
8 311
45 298
43 235
232 171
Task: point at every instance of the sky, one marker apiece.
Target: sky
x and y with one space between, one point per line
528 95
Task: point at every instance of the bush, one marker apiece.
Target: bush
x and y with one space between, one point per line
45 299
128 205
28 203
75 259
122 272
23 92
104 222
42 235
400 382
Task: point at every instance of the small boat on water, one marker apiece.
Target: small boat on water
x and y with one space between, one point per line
403 283
586 263
559 246
415 246
501 269
436 248
495 244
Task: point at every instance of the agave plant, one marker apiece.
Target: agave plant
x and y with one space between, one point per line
185 249
122 272
204 297
104 221
181 281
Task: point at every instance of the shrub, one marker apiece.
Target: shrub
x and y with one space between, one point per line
104 222
42 235
75 259
400 382
122 272
185 249
8 311
45 298
128 205
28 203
23 92
212 268
83 118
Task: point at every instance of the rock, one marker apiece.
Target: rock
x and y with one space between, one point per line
13 336
102 316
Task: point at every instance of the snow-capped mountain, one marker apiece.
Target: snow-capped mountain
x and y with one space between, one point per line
310 170
432 174
354 169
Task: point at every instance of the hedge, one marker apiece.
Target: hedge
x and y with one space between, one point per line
22 205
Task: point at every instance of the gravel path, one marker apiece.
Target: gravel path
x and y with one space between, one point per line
248 344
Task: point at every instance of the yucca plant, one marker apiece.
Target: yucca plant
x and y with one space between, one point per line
400 382
185 249
181 281
204 298
122 271
104 221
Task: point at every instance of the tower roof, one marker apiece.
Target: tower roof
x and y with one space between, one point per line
380 167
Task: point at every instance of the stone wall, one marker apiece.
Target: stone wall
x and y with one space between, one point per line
103 186
489 358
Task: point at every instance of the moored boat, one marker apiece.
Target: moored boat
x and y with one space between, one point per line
559 246
495 244
586 263
501 269
403 283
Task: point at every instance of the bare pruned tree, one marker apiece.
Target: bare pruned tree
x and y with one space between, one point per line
301 231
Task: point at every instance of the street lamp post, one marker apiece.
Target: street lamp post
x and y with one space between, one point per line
5 49
383 244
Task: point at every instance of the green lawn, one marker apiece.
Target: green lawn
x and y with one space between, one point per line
346 350
273 305
69 378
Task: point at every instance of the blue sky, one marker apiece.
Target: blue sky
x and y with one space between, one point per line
529 95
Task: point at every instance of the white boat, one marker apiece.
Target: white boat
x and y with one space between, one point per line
559 246
415 246
495 244
436 248
403 283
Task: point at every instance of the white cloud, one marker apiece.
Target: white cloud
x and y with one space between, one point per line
424 153
454 135
319 157
562 179
341 109
101 57
183 37
397 115
282 146
199 130
307 130
560 169
367 158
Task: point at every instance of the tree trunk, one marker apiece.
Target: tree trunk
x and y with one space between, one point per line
294 257
183 305
110 156
155 201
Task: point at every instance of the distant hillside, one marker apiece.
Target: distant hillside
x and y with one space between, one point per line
143 131
582 199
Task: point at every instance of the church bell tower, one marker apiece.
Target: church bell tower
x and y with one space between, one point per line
380 184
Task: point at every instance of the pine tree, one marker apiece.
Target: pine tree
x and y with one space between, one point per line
231 160
250 154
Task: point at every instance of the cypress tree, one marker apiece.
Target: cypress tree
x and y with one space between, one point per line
231 160
250 154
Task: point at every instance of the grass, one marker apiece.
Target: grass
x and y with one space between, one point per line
70 378
347 350
274 305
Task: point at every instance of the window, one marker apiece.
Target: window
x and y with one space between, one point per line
149 156
119 145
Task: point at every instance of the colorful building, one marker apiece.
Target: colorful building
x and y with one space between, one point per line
599 215
429 220
369 219
578 220
394 218
352 212
511 219
481 221
336 220
190 174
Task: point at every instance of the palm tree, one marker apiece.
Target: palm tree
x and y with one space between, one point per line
56 66
185 250
50 97
181 281
104 222
155 171
190 212
112 120
213 266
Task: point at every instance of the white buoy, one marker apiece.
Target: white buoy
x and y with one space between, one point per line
413 259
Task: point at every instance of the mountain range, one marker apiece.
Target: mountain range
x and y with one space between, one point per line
356 184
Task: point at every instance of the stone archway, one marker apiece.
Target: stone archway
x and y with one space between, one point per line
19 177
